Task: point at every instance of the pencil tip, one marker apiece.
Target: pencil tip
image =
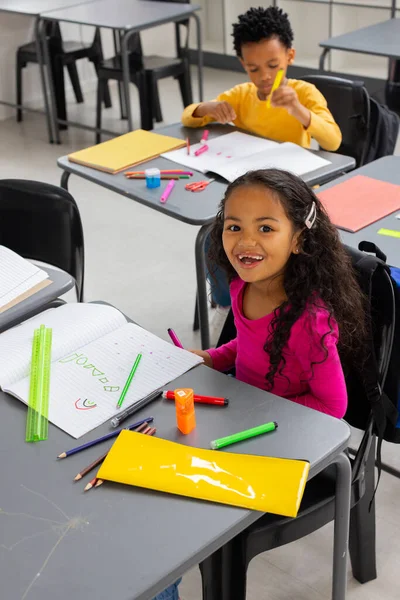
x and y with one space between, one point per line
78 477
62 455
98 483
88 487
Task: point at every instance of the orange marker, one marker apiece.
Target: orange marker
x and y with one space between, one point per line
184 406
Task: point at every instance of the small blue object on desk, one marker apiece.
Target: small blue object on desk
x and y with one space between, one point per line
153 178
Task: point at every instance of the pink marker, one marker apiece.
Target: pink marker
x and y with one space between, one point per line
204 137
203 148
166 193
174 338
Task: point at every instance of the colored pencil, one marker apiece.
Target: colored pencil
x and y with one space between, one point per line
98 482
99 460
133 369
90 484
103 439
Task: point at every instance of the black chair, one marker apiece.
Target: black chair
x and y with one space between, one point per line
62 54
349 104
146 71
41 222
317 507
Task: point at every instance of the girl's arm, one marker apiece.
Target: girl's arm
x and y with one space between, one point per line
327 388
224 357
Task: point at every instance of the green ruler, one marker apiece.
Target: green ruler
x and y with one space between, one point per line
37 424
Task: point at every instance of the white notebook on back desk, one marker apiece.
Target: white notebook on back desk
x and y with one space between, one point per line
235 153
17 277
93 350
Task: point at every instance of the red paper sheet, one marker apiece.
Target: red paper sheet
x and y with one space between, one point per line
360 201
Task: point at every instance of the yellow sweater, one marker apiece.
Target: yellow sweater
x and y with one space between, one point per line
277 124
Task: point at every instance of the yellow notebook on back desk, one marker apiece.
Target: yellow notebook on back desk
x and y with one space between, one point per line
125 151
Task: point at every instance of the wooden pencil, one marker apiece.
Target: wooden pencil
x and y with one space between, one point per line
176 177
145 429
100 459
90 484
90 467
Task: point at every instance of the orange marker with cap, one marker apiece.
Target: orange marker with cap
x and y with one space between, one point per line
184 406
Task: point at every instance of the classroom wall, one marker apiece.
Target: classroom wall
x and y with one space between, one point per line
16 30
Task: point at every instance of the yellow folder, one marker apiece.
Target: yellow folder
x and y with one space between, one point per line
274 485
125 151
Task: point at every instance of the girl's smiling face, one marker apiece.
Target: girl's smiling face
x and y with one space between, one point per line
258 237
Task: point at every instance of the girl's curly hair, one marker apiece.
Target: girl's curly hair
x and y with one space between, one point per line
322 271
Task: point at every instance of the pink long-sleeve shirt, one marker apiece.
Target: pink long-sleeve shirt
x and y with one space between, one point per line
320 385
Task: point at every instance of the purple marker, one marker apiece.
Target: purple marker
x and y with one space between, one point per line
174 338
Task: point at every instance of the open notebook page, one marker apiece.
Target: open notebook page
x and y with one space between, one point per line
86 384
17 275
221 151
74 325
287 156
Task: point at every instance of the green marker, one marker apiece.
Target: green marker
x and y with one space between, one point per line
128 381
243 435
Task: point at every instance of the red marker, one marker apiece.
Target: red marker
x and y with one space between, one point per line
203 148
216 401
204 137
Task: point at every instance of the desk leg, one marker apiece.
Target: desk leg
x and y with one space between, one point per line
341 529
199 56
64 180
43 79
324 54
202 301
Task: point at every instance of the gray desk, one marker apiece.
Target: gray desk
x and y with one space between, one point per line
62 282
385 169
191 208
128 17
33 8
382 39
125 543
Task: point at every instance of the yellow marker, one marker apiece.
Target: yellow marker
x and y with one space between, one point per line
389 232
276 84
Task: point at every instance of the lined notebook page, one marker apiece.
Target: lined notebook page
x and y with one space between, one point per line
74 325
287 156
85 385
221 151
17 275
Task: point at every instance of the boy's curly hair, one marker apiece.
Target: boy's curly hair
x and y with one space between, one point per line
262 24
322 271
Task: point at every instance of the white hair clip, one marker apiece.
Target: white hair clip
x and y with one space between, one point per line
311 217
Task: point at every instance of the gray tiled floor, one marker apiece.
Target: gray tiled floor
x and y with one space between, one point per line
144 263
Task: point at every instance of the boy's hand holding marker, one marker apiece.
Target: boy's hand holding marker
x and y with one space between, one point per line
286 97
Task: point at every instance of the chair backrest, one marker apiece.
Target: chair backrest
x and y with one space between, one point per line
42 222
349 104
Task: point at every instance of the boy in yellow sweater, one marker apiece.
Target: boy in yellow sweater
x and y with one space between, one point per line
298 112
262 39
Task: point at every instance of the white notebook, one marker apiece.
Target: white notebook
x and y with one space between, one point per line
93 351
18 278
235 153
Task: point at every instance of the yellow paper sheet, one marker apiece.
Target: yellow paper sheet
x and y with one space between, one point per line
125 151
266 484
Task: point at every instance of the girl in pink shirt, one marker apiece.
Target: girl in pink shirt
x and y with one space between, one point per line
295 298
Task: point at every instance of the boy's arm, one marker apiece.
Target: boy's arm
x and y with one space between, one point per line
323 127
224 109
311 109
